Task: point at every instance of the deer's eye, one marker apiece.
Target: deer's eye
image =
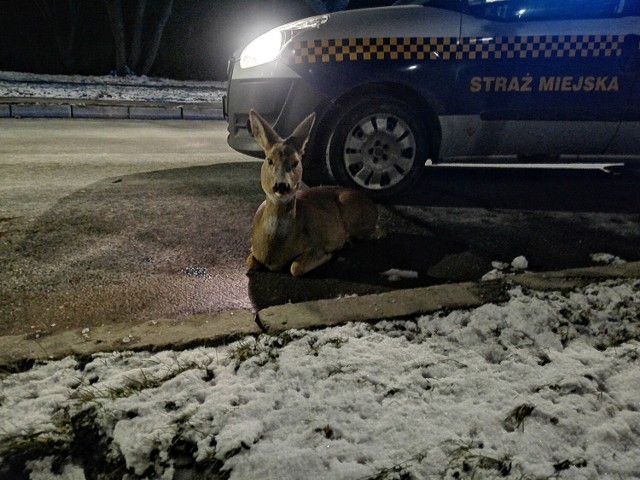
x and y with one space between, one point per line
270 161
295 164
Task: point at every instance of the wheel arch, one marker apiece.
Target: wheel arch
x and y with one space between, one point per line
425 107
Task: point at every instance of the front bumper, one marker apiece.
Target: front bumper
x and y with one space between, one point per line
283 102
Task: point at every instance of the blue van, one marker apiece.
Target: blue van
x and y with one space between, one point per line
446 81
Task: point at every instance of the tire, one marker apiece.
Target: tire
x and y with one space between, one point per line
378 145
314 169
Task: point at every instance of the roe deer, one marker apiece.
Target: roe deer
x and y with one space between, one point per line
301 227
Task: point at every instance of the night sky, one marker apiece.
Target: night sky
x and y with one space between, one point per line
197 42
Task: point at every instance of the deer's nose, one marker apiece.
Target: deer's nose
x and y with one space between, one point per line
282 188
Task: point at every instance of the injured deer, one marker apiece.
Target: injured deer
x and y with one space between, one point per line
301 228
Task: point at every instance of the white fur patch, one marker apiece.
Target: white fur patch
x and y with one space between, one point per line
275 227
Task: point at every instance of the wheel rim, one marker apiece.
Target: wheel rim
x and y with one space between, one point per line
379 151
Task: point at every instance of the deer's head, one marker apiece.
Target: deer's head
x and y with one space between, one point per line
281 171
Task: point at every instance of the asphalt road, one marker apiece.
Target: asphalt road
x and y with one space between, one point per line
109 221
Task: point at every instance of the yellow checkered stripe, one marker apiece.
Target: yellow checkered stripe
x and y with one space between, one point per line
452 48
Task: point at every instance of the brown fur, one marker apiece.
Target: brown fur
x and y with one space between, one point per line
301 227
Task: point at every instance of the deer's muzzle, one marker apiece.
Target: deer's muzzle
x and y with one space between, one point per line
282 188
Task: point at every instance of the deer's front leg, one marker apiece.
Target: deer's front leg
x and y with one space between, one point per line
252 263
307 261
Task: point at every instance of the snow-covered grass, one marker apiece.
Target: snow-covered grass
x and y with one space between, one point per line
130 88
546 385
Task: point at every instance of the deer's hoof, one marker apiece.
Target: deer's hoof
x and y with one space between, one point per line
297 269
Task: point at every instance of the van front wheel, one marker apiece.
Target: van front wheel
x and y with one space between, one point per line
378 145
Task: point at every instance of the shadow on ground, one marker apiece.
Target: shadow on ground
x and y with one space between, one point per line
154 245
399 260
455 222
519 189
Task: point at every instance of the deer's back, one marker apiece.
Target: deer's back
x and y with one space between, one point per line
340 213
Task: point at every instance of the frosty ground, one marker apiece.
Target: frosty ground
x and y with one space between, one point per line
108 88
543 385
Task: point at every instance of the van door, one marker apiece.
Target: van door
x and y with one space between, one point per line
627 139
542 77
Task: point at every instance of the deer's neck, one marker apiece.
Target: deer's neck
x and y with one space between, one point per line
279 218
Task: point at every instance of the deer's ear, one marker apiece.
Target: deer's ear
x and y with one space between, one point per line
298 139
264 133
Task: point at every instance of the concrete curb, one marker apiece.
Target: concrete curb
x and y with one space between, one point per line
394 304
576 277
419 301
19 351
50 108
207 329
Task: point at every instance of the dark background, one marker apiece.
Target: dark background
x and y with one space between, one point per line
197 41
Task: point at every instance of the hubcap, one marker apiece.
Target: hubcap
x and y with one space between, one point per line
379 151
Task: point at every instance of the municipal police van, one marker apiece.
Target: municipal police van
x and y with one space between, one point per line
446 81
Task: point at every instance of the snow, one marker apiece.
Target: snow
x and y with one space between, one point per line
607 259
502 269
41 470
520 263
130 88
544 385
396 274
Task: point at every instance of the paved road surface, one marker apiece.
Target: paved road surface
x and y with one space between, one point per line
118 221
109 221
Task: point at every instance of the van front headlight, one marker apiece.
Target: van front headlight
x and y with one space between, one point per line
268 46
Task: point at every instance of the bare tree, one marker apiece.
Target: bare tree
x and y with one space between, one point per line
116 20
136 35
62 19
156 36
139 59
